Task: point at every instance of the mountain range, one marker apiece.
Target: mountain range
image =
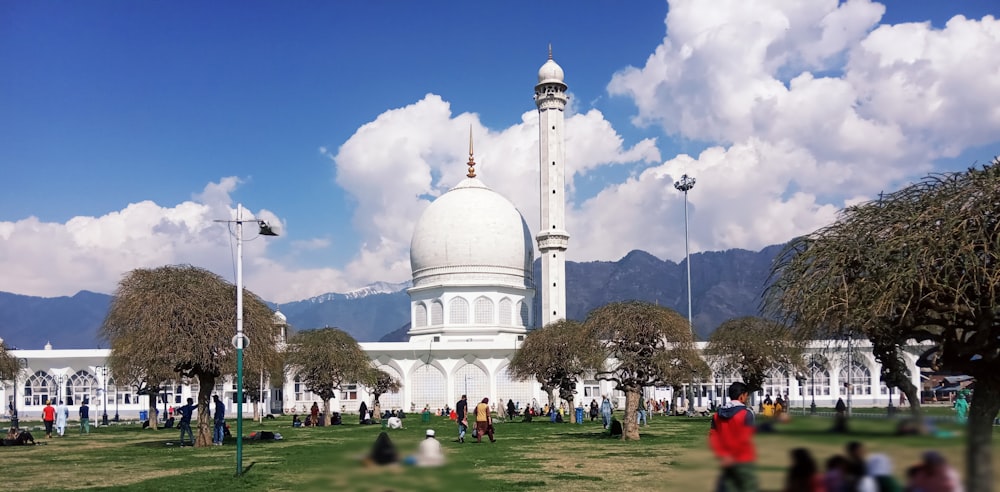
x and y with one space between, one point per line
725 284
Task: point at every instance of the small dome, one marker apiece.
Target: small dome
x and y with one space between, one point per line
471 235
280 318
550 72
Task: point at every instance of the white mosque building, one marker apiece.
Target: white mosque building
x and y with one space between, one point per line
471 306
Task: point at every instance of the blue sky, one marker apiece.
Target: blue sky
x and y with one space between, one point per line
322 111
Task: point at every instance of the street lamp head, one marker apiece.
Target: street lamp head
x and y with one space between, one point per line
265 229
685 183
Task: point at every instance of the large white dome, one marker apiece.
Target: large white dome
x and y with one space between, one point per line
471 235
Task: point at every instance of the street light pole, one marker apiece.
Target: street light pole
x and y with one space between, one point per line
104 404
685 184
22 364
239 341
850 371
812 369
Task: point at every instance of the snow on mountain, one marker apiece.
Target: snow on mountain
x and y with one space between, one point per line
368 290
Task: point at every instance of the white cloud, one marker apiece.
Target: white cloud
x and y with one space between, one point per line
392 165
806 106
92 253
813 106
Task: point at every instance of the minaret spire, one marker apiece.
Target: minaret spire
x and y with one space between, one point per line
472 161
553 240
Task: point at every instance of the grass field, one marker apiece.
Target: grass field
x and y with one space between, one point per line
671 455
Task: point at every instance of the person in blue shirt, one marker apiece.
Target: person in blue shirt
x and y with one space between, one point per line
220 422
185 423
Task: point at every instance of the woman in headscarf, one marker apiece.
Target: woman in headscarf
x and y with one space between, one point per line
383 451
484 423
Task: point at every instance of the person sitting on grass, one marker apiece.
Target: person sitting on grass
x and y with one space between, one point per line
296 422
18 437
383 451
428 452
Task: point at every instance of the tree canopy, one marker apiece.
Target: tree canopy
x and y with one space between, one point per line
644 345
8 364
556 355
921 263
179 321
379 383
325 360
753 347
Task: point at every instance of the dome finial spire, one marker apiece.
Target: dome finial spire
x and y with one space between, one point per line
472 161
550 51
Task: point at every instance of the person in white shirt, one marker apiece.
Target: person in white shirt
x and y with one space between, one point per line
429 451
394 423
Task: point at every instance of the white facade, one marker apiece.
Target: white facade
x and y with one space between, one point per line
434 374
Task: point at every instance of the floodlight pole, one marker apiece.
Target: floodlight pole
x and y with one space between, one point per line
685 184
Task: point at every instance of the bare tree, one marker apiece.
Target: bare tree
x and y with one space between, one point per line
923 264
753 347
644 345
325 360
557 355
181 319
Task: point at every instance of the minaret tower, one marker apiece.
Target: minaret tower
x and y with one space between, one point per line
553 240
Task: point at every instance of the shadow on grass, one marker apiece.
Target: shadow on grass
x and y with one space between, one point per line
174 443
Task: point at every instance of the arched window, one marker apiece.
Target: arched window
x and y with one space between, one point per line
82 387
858 377
510 389
39 388
428 388
437 313
522 313
819 378
458 311
472 381
420 313
506 309
484 311
776 384
392 400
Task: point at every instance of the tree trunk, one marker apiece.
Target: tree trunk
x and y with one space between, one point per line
256 408
376 411
630 426
206 424
327 412
152 412
572 409
552 400
979 451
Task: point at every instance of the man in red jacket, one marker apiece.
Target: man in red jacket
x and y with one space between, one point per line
48 417
731 438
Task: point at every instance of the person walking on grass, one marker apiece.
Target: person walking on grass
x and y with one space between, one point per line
461 411
62 413
185 423
731 439
49 418
606 411
220 422
84 418
484 423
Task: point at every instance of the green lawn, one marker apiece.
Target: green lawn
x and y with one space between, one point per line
671 455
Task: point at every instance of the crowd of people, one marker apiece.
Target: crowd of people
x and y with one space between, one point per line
731 440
